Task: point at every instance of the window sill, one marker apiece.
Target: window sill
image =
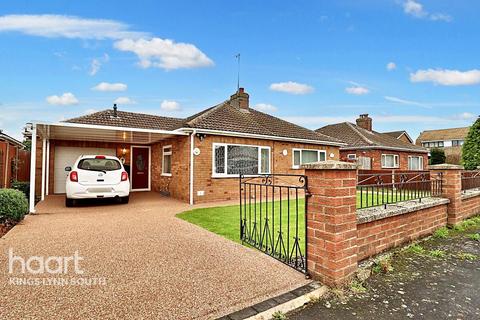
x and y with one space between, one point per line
166 174
236 176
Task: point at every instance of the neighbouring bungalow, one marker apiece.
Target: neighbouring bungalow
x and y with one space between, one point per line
374 150
197 159
450 140
400 135
9 159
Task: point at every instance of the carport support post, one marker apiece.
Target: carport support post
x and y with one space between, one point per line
44 147
331 221
33 165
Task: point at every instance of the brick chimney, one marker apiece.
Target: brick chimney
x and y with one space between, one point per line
365 122
240 99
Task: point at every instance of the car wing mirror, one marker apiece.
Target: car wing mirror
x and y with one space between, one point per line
68 169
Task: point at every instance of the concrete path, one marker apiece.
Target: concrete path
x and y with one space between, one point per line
421 286
154 265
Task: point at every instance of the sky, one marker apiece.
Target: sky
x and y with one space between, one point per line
411 64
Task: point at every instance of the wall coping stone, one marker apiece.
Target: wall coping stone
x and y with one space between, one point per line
377 213
330 165
471 193
445 166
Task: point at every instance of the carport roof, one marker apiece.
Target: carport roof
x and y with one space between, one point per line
89 132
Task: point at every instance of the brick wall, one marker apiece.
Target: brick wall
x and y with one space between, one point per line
470 206
379 235
217 189
376 156
176 185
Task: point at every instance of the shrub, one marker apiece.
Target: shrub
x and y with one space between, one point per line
22 186
13 204
437 156
471 147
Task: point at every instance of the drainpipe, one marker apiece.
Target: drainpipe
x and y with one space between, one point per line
33 151
192 146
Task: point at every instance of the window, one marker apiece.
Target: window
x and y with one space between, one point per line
433 144
235 159
303 156
457 143
389 160
167 161
352 156
99 164
415 163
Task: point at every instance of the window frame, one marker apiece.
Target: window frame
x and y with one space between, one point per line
420 167
396 163
300 150
167 153
235 175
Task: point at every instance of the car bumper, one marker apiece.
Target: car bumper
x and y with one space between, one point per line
91 192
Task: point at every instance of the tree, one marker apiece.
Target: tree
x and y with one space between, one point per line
471 147
437 156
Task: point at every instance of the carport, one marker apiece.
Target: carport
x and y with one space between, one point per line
133 138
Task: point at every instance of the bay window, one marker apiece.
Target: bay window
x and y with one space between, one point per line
235 159
415 163
390 161
303 156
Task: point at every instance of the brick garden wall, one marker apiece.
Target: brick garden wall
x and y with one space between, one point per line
470 207
376 156
379 235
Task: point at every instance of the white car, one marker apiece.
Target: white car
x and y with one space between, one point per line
97 176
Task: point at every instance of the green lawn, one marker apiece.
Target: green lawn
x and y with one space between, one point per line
225 221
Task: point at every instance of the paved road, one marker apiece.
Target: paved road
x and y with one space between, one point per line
155 265
420 287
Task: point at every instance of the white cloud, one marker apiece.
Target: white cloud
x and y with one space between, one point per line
96 64
170 105
416 9
357 90
291 87
447 77
105 86
465 116
265 107
124 100
55 26
391 66
65 99
165 53
406 102
94 67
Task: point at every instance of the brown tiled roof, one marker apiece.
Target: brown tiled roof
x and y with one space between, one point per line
226 117
129 120
357 137
443 134
394 134
222 117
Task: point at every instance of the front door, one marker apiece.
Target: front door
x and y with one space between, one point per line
140 168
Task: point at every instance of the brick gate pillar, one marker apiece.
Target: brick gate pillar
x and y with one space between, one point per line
332 221
451 189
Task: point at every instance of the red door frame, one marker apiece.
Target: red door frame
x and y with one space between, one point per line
149 168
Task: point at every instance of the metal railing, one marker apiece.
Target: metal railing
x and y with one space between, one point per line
470 179
273 214
384 189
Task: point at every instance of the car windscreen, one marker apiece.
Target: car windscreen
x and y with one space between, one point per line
99 164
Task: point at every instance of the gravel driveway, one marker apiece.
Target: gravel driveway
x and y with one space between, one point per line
147 264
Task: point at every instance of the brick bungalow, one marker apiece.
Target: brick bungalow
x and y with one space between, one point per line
197 159
374 150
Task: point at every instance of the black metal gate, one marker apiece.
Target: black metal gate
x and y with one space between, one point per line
273 216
